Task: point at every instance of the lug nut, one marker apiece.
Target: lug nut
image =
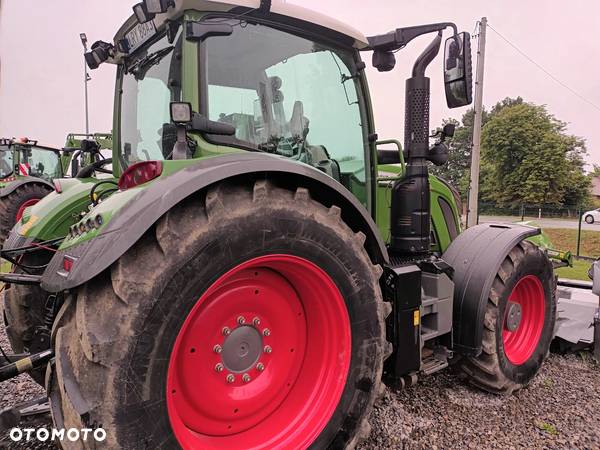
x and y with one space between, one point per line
266 332
246 378
230 378
217 349
256 321
268 349
260 367
219 367
241 320
226 331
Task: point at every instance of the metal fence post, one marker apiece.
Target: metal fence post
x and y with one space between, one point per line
522 213
580 215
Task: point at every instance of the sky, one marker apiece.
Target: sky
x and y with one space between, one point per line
41 67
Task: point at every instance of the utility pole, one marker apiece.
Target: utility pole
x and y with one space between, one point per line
472 213
87 78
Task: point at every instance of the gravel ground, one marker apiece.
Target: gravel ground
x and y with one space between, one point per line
560 409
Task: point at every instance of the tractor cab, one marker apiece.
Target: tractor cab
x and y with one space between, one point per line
302 96
25 158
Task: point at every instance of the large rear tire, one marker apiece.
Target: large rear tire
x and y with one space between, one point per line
13 205
251 318
519 322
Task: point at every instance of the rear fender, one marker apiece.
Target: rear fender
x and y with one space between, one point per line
132 220
12 186
476 255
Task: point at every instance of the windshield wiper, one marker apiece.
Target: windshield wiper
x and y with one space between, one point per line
141 67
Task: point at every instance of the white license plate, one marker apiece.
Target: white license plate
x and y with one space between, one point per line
140 34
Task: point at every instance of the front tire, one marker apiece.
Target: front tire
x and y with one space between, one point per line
589 219
518 325
165 347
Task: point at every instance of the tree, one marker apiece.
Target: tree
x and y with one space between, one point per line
458 169
528 158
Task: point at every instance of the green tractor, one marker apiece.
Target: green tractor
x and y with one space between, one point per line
27 171
266 262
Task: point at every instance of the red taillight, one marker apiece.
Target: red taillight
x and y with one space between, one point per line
67 264
140 173
57 186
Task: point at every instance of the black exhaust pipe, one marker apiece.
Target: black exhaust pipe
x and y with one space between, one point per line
410 220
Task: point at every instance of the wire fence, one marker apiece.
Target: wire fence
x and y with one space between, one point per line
573 228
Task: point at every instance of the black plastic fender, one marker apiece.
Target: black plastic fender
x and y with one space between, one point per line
476 255
134 219
10 188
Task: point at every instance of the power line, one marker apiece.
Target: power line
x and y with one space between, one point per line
573 91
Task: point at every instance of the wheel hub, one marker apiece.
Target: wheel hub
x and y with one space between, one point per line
263 356
242 349
513 316
523 319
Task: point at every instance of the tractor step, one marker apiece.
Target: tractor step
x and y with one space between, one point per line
10 417
433 365
20 278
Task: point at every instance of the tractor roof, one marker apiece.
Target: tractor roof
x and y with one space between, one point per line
280 12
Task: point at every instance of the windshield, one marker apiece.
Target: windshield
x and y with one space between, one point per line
6 161
38 162
290 96
150 82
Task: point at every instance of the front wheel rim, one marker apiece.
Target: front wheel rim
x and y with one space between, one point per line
262 358
520 344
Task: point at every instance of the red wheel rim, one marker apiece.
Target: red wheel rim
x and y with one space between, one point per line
520 344
26 205
262 359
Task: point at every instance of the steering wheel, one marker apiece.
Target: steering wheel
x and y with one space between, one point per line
96 166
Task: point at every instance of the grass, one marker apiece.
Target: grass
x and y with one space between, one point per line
579 271
566 239
547 427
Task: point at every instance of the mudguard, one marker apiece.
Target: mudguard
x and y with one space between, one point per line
476 255
20 182
133 220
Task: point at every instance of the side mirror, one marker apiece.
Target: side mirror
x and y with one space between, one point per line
458 70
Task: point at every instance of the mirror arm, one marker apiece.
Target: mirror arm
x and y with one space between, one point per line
399 38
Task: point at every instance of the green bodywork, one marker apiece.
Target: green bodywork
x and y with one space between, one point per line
560 258
368 182
52 216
